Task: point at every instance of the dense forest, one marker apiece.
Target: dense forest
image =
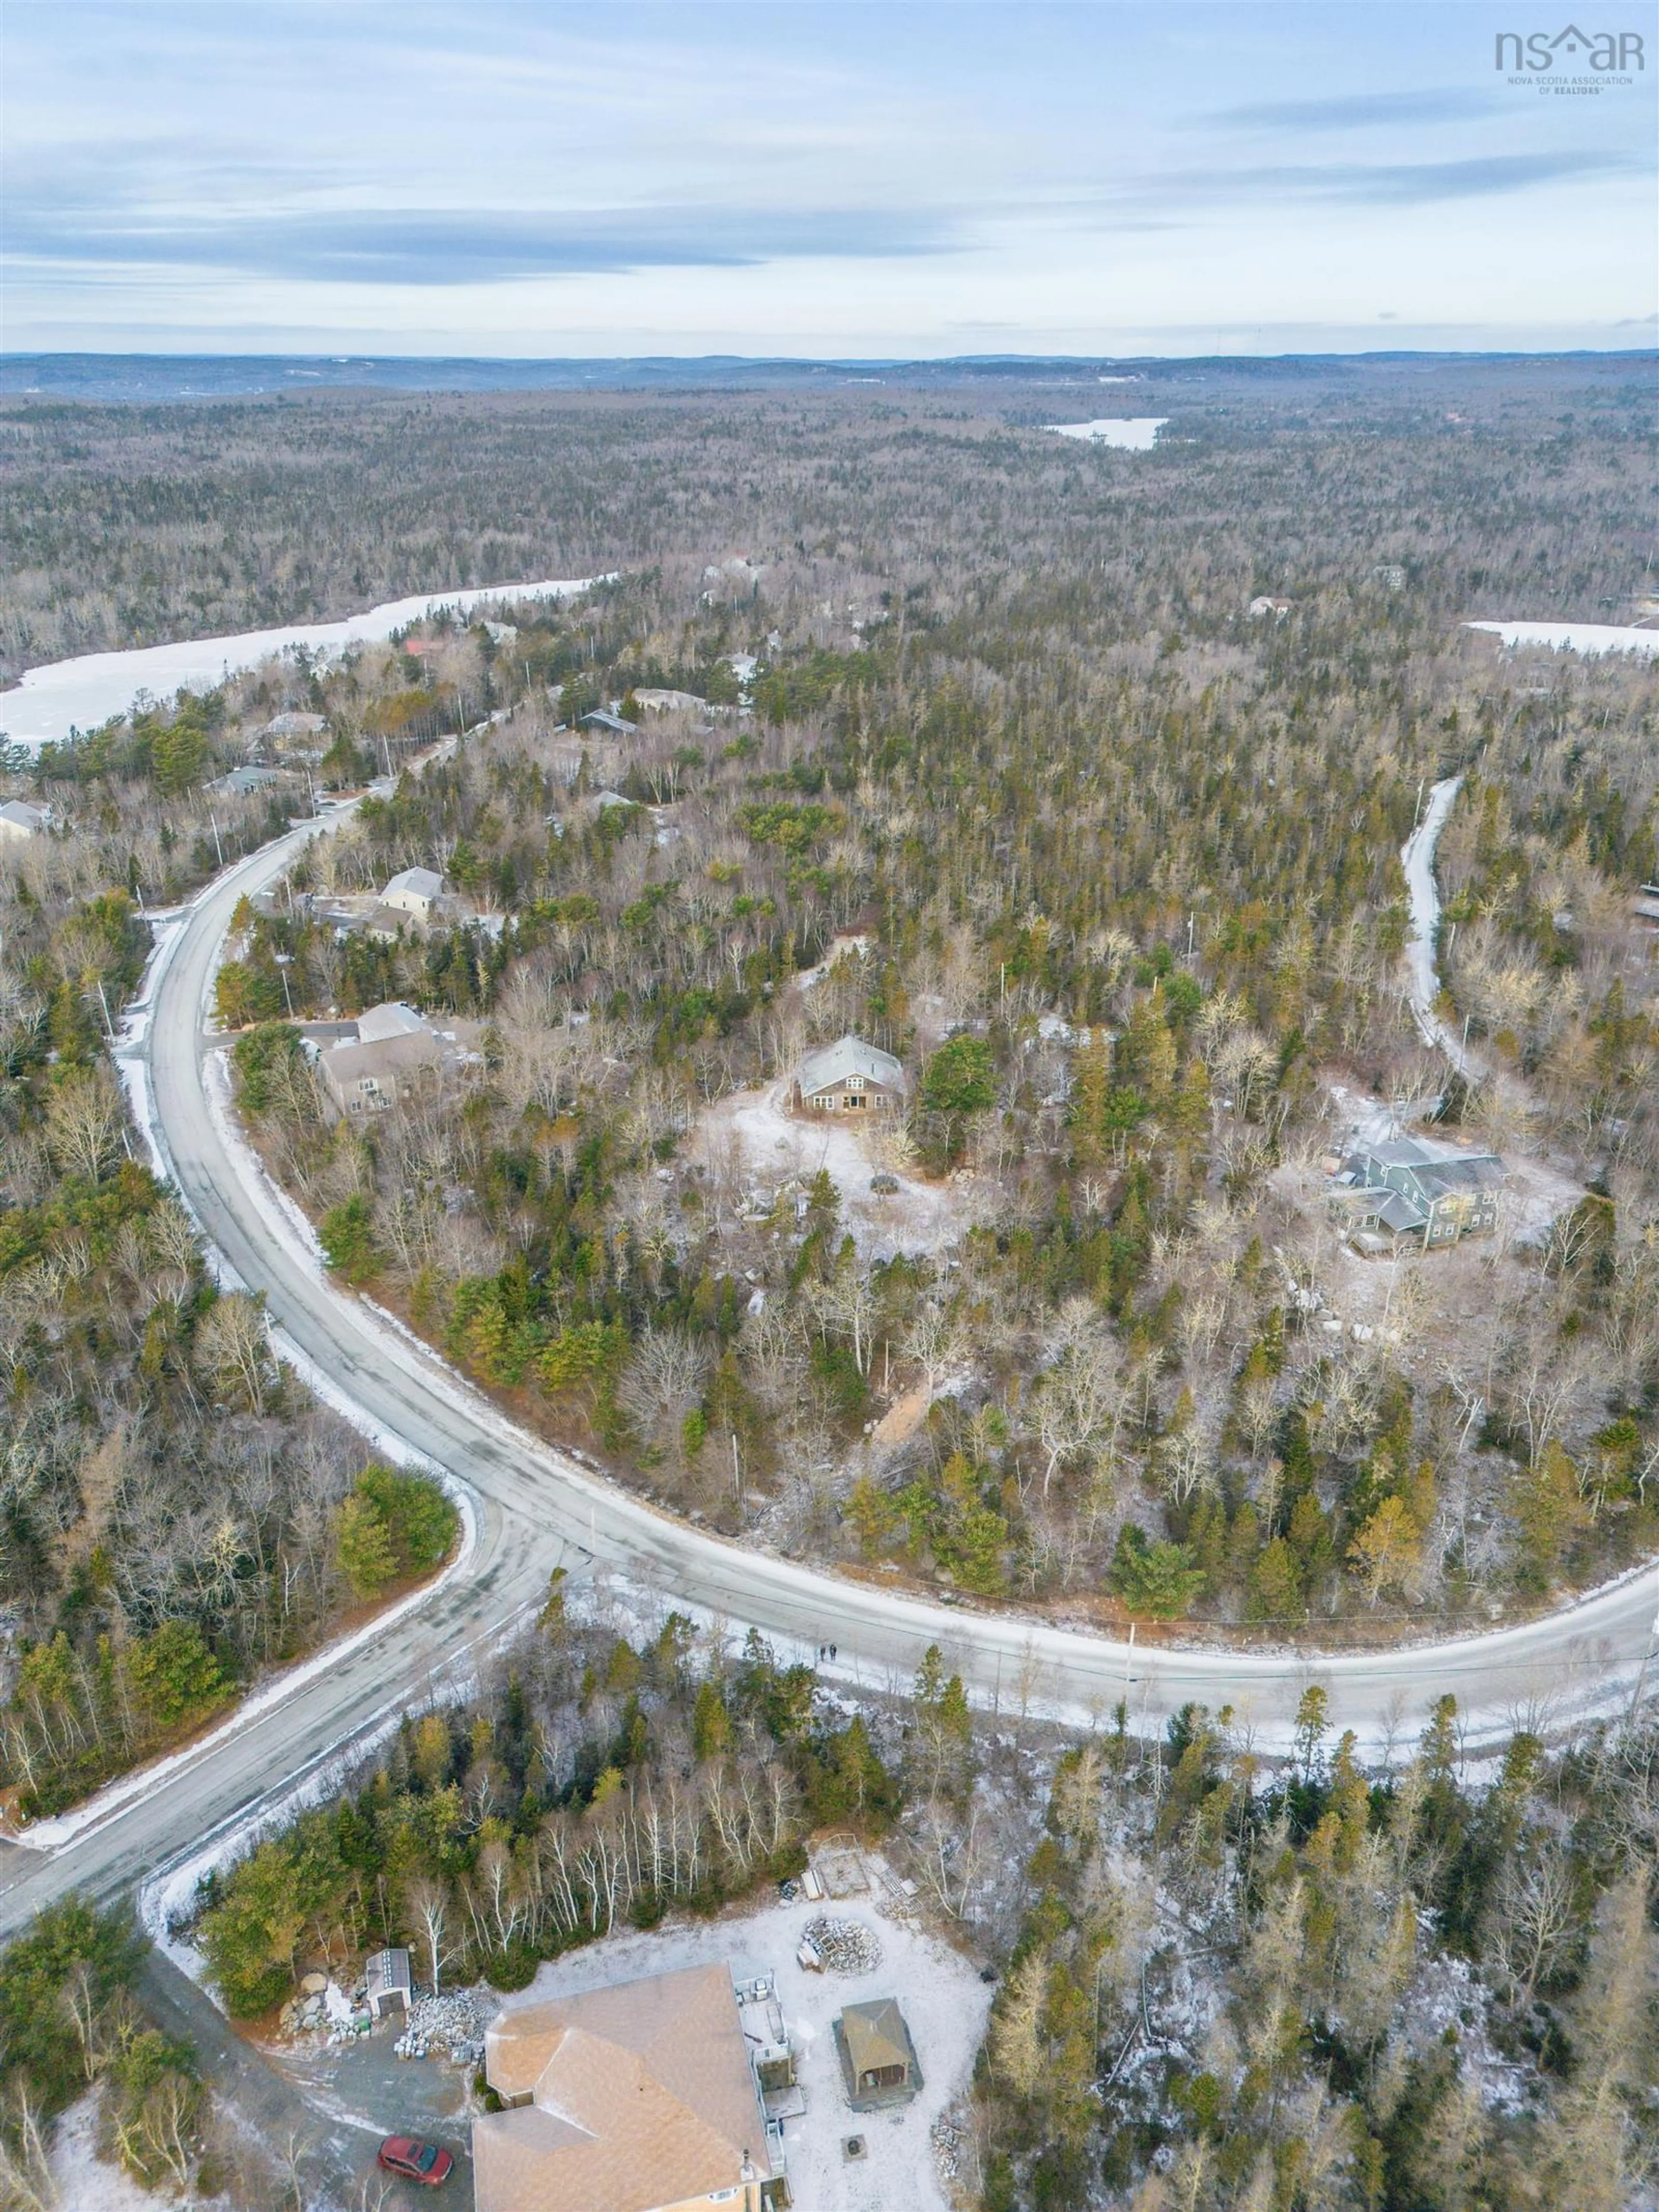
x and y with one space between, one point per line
1131 913
172 1501
1224 1985
930 726
1492 481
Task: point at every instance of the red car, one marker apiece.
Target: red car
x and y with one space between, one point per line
414 2159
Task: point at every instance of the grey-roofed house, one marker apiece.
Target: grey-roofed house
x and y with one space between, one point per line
607 719
240 781
1416 1190
413 891
18 818
848 1077
395 1051
393 1019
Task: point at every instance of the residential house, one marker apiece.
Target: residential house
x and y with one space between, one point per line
655 701
18 818
243 782
848 1077
394 1053
637 2098
608 719
877 2058
413 891
1416 1190
1266 604
294 732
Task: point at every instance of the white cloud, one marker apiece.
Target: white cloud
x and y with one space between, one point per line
538 180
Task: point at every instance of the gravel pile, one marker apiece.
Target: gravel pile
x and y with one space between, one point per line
448 2022
846 1947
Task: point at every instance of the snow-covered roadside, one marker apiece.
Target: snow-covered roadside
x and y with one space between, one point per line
170 1894
116 1796
1588 638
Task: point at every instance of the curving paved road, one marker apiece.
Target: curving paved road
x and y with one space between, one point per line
539 1507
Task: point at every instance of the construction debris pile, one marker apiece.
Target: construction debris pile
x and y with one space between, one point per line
448 2022
322 2008
950 2146
844 1947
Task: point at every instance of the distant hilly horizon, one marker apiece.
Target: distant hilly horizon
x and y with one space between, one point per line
139 377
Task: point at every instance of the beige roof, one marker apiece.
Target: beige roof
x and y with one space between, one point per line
876 2035
642 2096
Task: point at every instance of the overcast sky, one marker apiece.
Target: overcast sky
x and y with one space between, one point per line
848 179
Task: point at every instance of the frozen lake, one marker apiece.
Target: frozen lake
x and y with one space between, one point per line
1576 637
81 694
1135 434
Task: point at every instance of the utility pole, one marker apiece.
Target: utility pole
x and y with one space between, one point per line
217 841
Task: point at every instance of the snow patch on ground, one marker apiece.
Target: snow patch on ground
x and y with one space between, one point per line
84 2180
1134 434
944 2005
82 693
1444 1995
1417 858
775 1146
1588 638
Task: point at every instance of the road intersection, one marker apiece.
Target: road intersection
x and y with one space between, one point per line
536 1508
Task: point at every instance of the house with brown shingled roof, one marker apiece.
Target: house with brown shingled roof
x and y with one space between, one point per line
638 2098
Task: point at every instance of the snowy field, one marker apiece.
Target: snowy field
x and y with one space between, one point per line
83 693
1575 637
943 2001
1133 434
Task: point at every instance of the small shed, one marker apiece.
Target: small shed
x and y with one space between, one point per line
386 1976
877 2058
